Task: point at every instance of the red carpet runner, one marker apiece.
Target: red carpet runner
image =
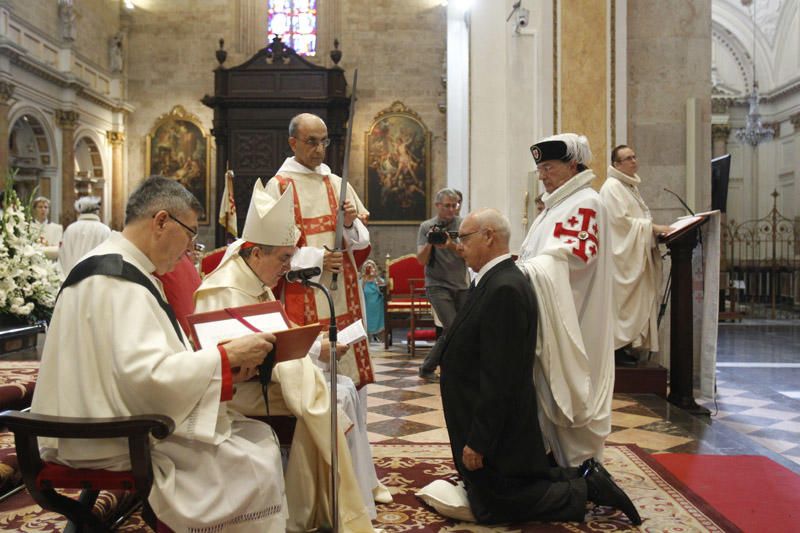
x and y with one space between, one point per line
753 492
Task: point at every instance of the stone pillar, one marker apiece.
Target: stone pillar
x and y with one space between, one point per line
6 90
117 139
67 121
719 137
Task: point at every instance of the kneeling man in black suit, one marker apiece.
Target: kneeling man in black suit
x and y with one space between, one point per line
489 397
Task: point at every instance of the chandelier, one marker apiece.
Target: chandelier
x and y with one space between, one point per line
754 133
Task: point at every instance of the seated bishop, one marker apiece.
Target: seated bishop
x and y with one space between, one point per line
250 266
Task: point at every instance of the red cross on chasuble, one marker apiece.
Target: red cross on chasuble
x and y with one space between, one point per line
300 301
580 231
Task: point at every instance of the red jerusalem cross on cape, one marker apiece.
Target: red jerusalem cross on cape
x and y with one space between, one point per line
586 235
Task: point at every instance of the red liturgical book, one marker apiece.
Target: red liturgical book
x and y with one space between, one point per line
215 327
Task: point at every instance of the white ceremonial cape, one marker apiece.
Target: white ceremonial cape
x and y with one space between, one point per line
637 262
112 351
566 257
303 393
316 194
79 238
50 233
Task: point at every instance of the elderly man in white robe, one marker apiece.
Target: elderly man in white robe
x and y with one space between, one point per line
84 234
115 349
568 259
637 262
251 266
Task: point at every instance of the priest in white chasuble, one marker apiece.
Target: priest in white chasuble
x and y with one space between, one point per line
114 348
316 199
568 259
251 266
636 258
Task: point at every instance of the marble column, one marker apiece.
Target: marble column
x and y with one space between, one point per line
117 139
6 90
67 120
585 51
719 137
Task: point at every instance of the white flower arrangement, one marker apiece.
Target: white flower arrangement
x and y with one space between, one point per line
29 282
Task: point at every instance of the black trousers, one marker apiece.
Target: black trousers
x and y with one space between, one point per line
559 496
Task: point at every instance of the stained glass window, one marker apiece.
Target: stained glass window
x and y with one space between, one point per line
295 22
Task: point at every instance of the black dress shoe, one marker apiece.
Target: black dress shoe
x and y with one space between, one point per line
603 491
590 463
623 357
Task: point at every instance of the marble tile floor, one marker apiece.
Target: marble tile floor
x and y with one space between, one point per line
402 408
758 384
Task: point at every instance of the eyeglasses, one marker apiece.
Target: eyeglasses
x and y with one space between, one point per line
449 206
629 158
461 237
192 232
314 143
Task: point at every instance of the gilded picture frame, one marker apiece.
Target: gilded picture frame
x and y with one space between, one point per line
178 147
397 167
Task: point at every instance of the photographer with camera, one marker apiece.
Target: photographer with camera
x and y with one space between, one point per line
445 270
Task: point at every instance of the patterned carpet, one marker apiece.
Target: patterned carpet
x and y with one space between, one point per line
663 502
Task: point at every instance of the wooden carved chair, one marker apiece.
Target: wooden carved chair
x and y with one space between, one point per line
43 478
421 323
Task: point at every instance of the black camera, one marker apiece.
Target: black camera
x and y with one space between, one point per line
439 235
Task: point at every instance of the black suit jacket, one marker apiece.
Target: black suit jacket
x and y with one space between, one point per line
487 379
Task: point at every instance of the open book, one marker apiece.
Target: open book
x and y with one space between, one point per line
213 327
682 225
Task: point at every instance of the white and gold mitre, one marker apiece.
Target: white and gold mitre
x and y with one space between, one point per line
271 222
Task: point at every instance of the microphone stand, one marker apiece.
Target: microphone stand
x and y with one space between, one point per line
333 406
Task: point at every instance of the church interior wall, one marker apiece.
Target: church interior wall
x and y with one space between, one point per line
756 174
397 47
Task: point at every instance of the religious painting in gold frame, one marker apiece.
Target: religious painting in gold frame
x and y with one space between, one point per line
178 147
398 167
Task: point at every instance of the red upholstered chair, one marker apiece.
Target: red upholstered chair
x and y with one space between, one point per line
179 287
42 478
397 298
211 260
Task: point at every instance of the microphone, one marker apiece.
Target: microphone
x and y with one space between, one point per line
303 274
680 200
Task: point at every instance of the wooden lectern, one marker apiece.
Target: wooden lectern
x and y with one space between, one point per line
681 242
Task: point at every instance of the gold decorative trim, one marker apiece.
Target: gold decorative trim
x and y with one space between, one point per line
555 66
115 137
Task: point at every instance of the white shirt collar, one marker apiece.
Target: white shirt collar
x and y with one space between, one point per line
292 165
490 265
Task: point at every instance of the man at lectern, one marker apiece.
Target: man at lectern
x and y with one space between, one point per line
251 266
637 261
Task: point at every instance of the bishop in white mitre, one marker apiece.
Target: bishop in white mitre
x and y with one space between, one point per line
568 260
250 266
112 349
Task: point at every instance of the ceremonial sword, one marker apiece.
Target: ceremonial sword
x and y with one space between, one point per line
343 190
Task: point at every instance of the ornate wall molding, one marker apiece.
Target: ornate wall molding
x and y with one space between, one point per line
720 132
795 119
115 137
67 119
6 90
